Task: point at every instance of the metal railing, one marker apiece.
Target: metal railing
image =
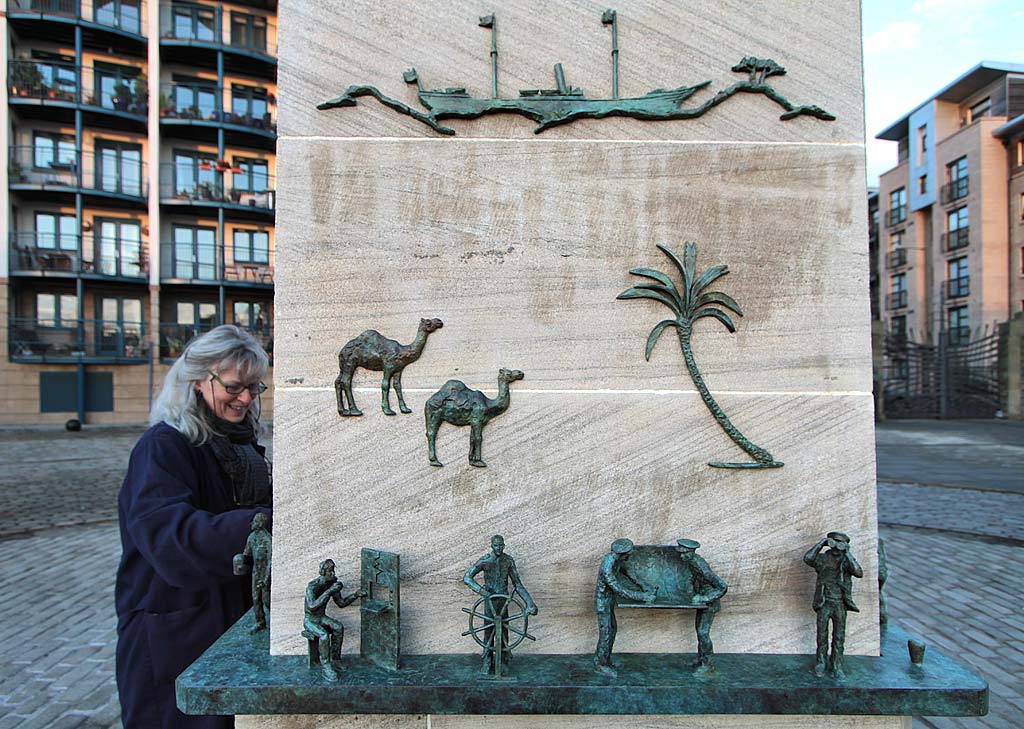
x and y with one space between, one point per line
957 287
210 182
129 17
202 24
896 216
174 337
89 254
213 262
86 85
897 257
72 340
896 300
956 239
955 189
102 171
215 104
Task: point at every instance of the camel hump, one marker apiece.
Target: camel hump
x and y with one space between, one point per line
452 391
370 336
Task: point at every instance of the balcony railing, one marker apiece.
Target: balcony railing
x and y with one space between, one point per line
89 254
213 104
896 216
174 337
213 25
105 171
201 262
897 257
955 190
74 340
211 183
957 287
65 82
956 239
128 16
897 300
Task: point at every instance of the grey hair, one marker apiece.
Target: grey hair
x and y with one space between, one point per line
222 348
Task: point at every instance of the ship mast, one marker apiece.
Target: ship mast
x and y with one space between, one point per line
489 21
611 18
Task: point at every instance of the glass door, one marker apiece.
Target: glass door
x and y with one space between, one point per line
119 168
120 248
119 332
195 253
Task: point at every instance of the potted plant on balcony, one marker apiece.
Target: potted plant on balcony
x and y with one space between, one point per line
235 194
122 96
205 190
26 78
140 94
165 105
175 346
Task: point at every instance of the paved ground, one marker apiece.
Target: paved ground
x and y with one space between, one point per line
955 556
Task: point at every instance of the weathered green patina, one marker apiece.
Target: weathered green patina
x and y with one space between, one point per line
689 305
237 675
565 103
380 610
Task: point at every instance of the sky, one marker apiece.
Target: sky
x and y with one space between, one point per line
914 48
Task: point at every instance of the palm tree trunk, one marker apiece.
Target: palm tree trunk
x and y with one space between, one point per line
756 452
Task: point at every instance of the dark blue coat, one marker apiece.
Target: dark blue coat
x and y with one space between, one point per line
176 593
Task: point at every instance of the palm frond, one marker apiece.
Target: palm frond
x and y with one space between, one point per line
717 297
671 293
638 293
706 279
652 338
662 278
686 267
717 314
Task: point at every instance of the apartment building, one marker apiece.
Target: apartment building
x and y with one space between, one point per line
946 233
140 206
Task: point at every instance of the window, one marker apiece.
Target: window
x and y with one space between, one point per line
54 231
251 246
56 310
898 326
1022 206
248 31
922 139
956 181
254 175
897 206
1020 153
58 75
195 253
249 105
898 291
195 176
922 184
54 151
252 315
119 332
122 14
119 168
195 98
193 22
114 86
957 325
957 229
958 278
119 248
980 109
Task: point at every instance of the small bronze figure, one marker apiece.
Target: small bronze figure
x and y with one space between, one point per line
883 575
256 558
499 574
457 404
833 597
320 629
708 589
612 580
372 351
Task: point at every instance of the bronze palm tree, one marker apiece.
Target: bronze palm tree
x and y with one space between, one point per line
691 304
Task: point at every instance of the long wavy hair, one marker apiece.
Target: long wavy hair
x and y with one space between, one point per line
223 348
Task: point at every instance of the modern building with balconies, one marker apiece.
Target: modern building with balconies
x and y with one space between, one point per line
947 259
140 195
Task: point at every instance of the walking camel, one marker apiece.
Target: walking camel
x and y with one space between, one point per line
457 404
372 351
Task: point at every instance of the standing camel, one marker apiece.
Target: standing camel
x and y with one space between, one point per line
457 404
372 351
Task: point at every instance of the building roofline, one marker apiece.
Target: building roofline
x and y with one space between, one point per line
966 84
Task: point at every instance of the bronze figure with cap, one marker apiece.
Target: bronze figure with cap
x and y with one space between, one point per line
708 589
614 581
833 597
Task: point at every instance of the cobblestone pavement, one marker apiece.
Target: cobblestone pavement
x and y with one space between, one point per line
56 650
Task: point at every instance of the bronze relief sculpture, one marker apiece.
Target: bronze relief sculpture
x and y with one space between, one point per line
833 597
324 633
373 351
459 405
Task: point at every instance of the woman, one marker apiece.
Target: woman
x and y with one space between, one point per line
195 481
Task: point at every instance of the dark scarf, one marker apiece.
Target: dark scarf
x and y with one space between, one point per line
246 468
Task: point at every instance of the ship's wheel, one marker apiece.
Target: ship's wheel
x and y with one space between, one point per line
498 623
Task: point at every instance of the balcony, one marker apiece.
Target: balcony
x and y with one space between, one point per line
77 340
126 17
107 173
174 337
214 184
958 287
896 216
92 256
210 106
955 190
956 239
896 300
896 258
51 84
199 263
201 26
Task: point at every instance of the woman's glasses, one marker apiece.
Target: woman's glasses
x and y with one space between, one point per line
256 388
